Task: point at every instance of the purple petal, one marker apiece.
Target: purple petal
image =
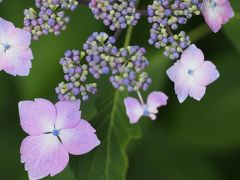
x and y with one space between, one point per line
156 100
20 39
177 73
206 73
134 109
79 140
182 92
197 91
17 62
37 117
68 114
226 12
43 155
192 57
212 18
6 28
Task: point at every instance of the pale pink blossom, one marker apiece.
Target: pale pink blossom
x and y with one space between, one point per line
191 74
216 13
136 109
15 54
55 131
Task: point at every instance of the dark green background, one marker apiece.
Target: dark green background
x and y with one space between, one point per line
193 141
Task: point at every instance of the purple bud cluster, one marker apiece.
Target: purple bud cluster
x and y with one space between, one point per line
115 13
49 19
173 45
167 15
100 50
128 69
76 77
125 66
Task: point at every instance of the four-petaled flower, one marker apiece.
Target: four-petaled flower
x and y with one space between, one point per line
15 54
216 13
54 132
135 109
191 74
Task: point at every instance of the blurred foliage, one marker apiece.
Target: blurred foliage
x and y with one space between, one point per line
196 140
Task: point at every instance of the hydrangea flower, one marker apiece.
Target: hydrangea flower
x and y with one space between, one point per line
101 57
115 13
55 131
216 13
15 54
191 74
136 109
166 16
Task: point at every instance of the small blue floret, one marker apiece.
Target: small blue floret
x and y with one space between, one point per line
55 132
190 72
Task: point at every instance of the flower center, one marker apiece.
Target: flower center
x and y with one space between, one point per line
213 4
145 110
6 47
55 132
190 72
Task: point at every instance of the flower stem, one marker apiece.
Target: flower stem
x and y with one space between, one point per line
140 97
117 33
128 36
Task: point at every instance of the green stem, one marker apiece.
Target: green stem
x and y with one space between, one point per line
128 36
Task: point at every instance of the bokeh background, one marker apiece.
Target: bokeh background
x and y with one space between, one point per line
192 141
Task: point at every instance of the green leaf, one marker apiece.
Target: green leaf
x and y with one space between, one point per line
232 28
109 160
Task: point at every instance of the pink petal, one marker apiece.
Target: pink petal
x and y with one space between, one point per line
226 12
20 39
17 62
221 2
68 114
216 16
196 90
6 29
43 155
152 116
156 100
206 73
134 109
79 140
177 73
37 116
192 57
182 91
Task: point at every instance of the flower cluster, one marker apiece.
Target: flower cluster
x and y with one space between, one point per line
50 17
76 76
100 51
125 66
128 69
115 13
57 130
165 16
